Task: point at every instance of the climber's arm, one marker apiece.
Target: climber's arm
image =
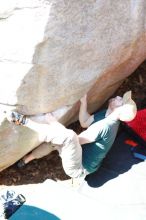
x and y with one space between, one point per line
90 134
85 118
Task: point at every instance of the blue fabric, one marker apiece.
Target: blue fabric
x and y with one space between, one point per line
93 153
30 212
118 161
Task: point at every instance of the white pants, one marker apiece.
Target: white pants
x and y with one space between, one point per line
71 155
70 152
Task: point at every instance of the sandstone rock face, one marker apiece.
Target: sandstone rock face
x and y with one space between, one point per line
54 51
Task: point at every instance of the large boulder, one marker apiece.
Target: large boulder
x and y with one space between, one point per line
53 52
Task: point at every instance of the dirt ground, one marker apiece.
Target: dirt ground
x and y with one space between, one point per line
50 166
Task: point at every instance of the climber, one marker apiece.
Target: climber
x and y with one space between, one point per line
96 140
102 128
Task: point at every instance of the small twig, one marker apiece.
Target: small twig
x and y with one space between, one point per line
140 79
